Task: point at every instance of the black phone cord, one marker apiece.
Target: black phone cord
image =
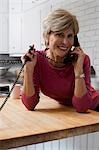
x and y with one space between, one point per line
2 105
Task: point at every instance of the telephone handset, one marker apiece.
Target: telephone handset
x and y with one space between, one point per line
72 57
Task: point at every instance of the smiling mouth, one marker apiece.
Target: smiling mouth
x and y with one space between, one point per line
63 48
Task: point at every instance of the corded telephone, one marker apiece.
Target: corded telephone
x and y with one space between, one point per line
72 57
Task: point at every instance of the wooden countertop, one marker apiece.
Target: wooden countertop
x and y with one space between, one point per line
50 121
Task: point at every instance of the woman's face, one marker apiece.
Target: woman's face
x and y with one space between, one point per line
61 42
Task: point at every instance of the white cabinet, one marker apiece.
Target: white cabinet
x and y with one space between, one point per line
15 34
4 6
31 29
25 25
32 24
44 11
15 6
27 5
15 27
4 26
4 34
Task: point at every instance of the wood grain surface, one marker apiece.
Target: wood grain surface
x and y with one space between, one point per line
49 121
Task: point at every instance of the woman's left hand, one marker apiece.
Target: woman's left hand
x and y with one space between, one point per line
78 64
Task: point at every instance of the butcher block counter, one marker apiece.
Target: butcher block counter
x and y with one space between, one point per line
49 121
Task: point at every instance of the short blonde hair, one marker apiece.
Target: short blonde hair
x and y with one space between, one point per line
59 20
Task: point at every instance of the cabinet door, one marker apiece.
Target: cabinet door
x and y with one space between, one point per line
4 26
27 5
4 6
31 29
15 34
4 34
44 11
15 6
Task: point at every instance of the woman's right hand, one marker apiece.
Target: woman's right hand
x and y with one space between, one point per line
30 58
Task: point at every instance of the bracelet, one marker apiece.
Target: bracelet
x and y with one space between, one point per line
80 76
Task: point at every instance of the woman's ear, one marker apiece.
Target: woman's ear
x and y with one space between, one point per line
46 43
46 39
46 36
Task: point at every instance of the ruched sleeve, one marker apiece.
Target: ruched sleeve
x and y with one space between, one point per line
82 104
31 102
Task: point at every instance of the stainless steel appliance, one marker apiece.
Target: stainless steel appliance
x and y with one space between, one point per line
7 63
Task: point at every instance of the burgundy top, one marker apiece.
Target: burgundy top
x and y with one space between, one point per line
59 83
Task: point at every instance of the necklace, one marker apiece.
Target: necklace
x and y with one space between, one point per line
54 63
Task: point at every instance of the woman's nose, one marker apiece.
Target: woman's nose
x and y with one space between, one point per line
66 41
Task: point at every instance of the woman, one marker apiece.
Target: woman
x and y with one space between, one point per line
50 71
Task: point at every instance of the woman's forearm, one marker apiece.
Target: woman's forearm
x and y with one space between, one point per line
80 87
28 86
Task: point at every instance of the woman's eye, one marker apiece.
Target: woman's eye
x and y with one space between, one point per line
70 36
60 34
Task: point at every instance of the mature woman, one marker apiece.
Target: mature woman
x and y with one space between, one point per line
57 71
